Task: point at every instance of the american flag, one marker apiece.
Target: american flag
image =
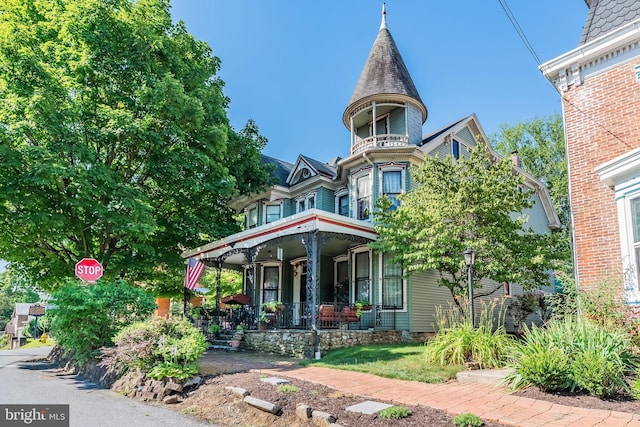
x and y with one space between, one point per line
194 271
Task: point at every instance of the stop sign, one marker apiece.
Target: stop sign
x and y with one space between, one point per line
89 269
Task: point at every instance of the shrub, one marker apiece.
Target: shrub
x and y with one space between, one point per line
87 317
467 420
288 388
572 355
161 347
458 342
4 341
43 326
394 412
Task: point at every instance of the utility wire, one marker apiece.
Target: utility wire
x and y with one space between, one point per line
523 37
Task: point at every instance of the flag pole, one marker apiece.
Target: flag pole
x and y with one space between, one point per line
185 302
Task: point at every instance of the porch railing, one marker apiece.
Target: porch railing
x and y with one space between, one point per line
329 315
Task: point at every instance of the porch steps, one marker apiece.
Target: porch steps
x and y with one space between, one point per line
223 342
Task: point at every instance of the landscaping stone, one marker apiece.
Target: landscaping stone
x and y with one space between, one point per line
263 405
171 400
238 390
274 380
368 407
322 418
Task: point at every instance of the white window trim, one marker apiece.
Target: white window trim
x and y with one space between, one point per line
392 167
622 174
380 283
353 279
264 213
305 198
338 195
354 184
271 264
247 210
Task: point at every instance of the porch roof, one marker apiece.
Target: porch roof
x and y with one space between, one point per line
311 220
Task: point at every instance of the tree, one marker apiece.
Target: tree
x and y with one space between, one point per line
541 147
471 202
13 289
114 141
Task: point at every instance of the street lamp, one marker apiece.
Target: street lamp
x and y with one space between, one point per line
470 260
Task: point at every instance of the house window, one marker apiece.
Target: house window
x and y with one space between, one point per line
306 202
252 217
382 126
392 186
271 283
343 205
455 149
635 222
362 277
272 213
363 188
392 290
507 289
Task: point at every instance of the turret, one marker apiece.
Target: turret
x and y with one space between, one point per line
385 91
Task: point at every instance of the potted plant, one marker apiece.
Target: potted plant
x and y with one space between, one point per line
263 321
214 328
362 304
240 330
271 306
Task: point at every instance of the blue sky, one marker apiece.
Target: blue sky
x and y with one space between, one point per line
292 65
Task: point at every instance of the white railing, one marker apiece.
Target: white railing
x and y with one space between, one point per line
377 141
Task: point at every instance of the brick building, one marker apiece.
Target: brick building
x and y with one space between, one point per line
599 82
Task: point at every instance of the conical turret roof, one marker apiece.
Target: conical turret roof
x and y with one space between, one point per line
385 72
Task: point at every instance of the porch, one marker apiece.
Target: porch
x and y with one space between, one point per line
297 316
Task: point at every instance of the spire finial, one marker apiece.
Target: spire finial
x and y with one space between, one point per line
383 24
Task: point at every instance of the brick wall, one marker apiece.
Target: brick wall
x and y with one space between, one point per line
601 122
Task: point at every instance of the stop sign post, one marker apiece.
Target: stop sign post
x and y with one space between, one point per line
89 269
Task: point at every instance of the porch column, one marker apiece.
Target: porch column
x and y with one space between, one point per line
313 244
218 265
251 255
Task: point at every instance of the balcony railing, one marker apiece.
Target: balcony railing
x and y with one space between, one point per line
329 315
387 140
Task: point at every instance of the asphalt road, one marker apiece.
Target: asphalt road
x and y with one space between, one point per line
23 381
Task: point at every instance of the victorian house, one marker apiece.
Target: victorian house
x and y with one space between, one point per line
305 242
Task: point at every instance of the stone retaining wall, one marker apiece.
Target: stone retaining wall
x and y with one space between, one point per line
303 344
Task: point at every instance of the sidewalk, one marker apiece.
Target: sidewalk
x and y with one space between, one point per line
491 403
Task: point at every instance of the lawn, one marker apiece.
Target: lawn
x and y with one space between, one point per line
399 361
34 344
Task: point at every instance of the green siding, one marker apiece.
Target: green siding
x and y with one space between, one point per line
326 200
397 122
537 219
441 151
288 207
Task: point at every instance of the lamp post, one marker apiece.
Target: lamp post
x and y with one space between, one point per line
470 260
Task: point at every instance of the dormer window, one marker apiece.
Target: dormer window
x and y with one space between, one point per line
306 202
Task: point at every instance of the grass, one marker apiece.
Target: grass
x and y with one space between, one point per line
399 361
36 343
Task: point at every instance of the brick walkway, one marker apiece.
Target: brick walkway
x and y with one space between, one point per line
489 402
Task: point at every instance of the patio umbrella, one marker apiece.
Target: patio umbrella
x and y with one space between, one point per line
241 299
